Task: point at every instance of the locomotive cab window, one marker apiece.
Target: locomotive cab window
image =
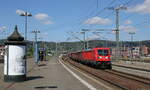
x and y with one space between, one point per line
103 52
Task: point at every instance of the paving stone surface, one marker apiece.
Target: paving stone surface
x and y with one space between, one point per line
48 75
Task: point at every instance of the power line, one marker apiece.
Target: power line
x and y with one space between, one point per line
141 23
108 15
117 28
130 1
128 16
105 8
126 2
101 11
97 3
87 15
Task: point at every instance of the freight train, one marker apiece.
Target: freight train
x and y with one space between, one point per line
96 57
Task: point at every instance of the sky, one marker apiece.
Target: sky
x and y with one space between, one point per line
63 20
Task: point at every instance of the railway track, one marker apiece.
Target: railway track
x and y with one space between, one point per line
130 76
137 60
116 78
140 69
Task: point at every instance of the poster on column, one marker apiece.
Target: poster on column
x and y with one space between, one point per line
5 60
16 60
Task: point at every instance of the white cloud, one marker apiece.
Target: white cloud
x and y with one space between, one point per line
128 28
3 28
95 37
141 8
128 22
46 22
147 26
45 34
43 18
97 20
20 11
113 32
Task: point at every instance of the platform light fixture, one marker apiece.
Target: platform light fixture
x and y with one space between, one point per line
26 14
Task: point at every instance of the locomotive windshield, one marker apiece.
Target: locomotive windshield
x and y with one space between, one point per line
103 52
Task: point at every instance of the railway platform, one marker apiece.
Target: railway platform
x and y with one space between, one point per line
51 75
47 75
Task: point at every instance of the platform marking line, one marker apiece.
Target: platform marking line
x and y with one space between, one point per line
87 76
79 78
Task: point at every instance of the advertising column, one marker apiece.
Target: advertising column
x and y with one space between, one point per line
15 59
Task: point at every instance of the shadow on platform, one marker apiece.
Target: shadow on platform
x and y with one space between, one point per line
33 78
44 87
41 65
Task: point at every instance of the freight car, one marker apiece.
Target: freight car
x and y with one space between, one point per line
96 57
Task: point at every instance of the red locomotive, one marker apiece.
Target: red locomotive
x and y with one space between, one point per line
97 57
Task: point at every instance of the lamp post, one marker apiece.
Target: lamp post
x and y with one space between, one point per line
26 14
56 48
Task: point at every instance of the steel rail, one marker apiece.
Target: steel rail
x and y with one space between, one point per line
112 78
140 69
113 83
130 76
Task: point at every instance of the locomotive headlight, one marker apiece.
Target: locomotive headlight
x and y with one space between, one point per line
106 57
99 57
